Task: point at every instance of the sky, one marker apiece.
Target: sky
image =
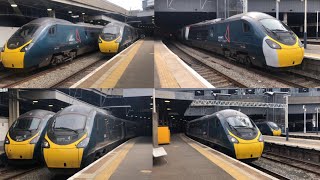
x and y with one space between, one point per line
127 4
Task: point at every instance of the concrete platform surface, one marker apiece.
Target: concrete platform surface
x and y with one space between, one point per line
132 68
312 52
294 142
131 160
304 134
190 160
172 72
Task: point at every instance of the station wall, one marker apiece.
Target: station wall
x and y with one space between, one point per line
6 33
3 128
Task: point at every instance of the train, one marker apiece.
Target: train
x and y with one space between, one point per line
230 132
23 140
269 128
78 135
253 38
48 41
116 36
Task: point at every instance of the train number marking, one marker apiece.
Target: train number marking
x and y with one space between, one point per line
169 3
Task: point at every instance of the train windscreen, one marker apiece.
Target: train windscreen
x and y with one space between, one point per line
27 124
242 127
110 32
70 122
239 121
279 31
273 125
22 36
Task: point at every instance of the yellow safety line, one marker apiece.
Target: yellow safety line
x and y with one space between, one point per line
165 76
107 171
216 160
116 74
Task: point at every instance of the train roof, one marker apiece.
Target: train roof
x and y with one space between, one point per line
119 23
37 113
47 20
254 15
224 113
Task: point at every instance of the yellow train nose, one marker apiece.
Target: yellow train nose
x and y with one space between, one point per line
277 132
19 150
290 56
11 59
108 46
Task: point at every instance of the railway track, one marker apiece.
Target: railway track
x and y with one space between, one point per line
11 79
292 77
13 173
267 171
68 82
214 77
295 163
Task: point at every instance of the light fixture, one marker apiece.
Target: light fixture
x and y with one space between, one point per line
151 108
14 5
50 105
172 116
151 104
167 101
69 12
83 13
169 109
35 101
49 9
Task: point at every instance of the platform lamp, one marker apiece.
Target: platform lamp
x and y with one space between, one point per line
286 115
277 9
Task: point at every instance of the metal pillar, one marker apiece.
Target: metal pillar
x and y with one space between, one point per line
225 9
285 18
317 32
14 110
245 6
277 8
317 121
286 114
304 119
155 121
305 37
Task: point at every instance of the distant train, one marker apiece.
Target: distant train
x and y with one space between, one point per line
78 135
23 141
231 132
252 38
48 41
269 128
117 36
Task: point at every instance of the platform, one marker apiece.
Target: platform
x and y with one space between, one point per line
188 159
132 68
294 142
304 135
172 72
312 52
133 157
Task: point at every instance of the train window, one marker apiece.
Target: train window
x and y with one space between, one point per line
303 90
52 30
284 89
246 27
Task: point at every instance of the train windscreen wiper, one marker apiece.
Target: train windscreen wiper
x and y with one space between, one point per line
65 128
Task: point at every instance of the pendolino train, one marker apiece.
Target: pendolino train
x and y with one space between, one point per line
252 38
78 135
46 41
269 128
231 132
23 141
116 36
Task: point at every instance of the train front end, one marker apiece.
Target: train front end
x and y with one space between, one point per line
66 141
246 138
281 46
22 139
17 52
276 130
110 39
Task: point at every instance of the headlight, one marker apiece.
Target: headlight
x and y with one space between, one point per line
45 144
119 40
99 40
6 141
27 47
273 44
35 140
83 143
260 138
233 140
2 49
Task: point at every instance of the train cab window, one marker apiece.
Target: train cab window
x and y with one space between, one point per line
246 27
52 30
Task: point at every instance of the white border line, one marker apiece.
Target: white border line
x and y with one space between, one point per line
192 71
100 159
102 66
232 159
